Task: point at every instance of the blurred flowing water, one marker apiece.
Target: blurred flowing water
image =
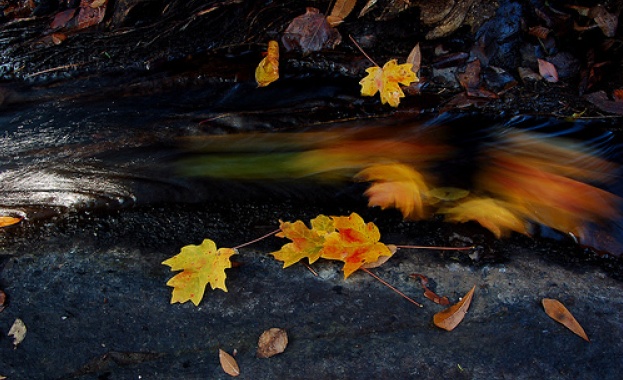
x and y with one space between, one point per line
108 143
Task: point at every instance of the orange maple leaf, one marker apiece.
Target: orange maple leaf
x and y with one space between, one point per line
396 185
201 264
268 69
385 80
355 242
306 242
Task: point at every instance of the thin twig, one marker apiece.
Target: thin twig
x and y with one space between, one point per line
309 268
436 248
391 287
258 239
363 52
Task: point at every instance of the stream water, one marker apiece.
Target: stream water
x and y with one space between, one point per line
109 143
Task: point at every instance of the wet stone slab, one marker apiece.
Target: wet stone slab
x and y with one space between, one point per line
96 307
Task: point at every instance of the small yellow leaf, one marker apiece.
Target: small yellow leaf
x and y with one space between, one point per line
268 69
386 80
272 342
449 318
17 331
6 221
201 264
558 312
228 363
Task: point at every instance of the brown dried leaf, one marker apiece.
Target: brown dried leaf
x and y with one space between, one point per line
415 58
17 331
539 32
436 298
527 75
558 312
98 3
470 79
272 342
340 11
606 21
310 32
449 318
2 300
548 71
62 18
6 221
228 363
89 16
58 38
618 94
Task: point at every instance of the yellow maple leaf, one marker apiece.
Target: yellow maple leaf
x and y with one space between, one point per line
355 242
201 264
396 185
268 69
494 215
385 80
306 242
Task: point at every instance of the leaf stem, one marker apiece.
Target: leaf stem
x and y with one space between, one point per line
363 52
437 248
258 239
391 287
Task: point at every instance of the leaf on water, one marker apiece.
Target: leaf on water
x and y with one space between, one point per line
310 32
396 185
268 69
449 318
228 363
386 81
306 242
355 242
17 331
6 221
272 342
340 11
548 71
495 215
558 312
415 58
201 264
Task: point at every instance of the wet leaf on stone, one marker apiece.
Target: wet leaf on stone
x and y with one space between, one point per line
272 342
600 99
396 185
558 312
201 264
306 242
268 69
429 293
449 318
62 19
89 16
18 332
6 221
341 9
228 363
415 58
310 32
548 71
539 32
386 81
607 22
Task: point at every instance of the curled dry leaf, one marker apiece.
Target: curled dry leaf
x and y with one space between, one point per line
429 293
558 312
548 71
449 318
17 331
228 363
272 342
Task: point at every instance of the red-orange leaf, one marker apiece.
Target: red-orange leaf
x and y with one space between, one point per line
306 242
558 312
449 318
355 243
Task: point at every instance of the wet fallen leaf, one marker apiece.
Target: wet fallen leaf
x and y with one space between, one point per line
449 318
58 38
341 9
306 242
6 221
415 58
201 264
61 19
548 71
89 16
17 331
310 32
228 363
618 94
396 185
606 21
272 342
470 78
539 32
429 293
527 75
600 99
382 260
386 81
558 312
268 69
98 3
